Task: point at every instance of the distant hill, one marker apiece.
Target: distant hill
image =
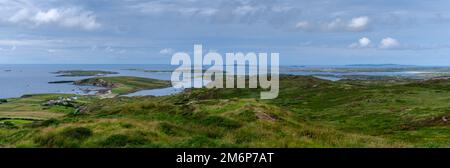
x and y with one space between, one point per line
378 65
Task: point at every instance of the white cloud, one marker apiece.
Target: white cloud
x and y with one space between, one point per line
303 25
159 7
245 10
282 8
359 23
385 43
166 51
388 43
196 11
78 18
8 42
207 11
336 25
109 49
305 43
12 48
71 17
20 15
223 11
122 51
52 50
51 15
363 42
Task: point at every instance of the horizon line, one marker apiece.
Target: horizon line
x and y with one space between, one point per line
357 64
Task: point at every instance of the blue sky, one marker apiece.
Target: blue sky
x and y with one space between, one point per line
314 32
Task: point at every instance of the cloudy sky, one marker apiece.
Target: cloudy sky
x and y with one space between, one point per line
314 32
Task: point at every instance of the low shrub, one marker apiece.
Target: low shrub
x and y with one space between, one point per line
220 122
77 133
7 124
169 129
68 138
120 140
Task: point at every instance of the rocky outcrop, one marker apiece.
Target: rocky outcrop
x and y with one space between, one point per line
59 82
82 110
61 101
96 82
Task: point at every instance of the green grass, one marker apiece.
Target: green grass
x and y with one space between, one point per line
309 112
16 121
154 122
29 102
30 108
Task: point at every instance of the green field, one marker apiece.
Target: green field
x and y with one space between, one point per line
309 112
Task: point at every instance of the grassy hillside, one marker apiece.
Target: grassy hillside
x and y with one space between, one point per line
20 116
309 112
154 122
32 107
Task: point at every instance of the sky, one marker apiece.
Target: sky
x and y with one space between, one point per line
313 32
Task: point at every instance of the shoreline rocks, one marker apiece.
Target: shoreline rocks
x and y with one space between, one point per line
62 101
96 82
60 82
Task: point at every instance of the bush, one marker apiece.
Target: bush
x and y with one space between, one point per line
69 137
169 129
242 137
198 142
3 101
44 123
220 122
49 122
120 140
247 115
7 124
77 133
126 125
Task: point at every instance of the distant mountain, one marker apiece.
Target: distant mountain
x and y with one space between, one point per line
378 65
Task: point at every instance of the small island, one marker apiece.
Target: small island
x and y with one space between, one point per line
121 85
75 73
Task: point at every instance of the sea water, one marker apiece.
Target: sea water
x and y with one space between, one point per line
17 80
